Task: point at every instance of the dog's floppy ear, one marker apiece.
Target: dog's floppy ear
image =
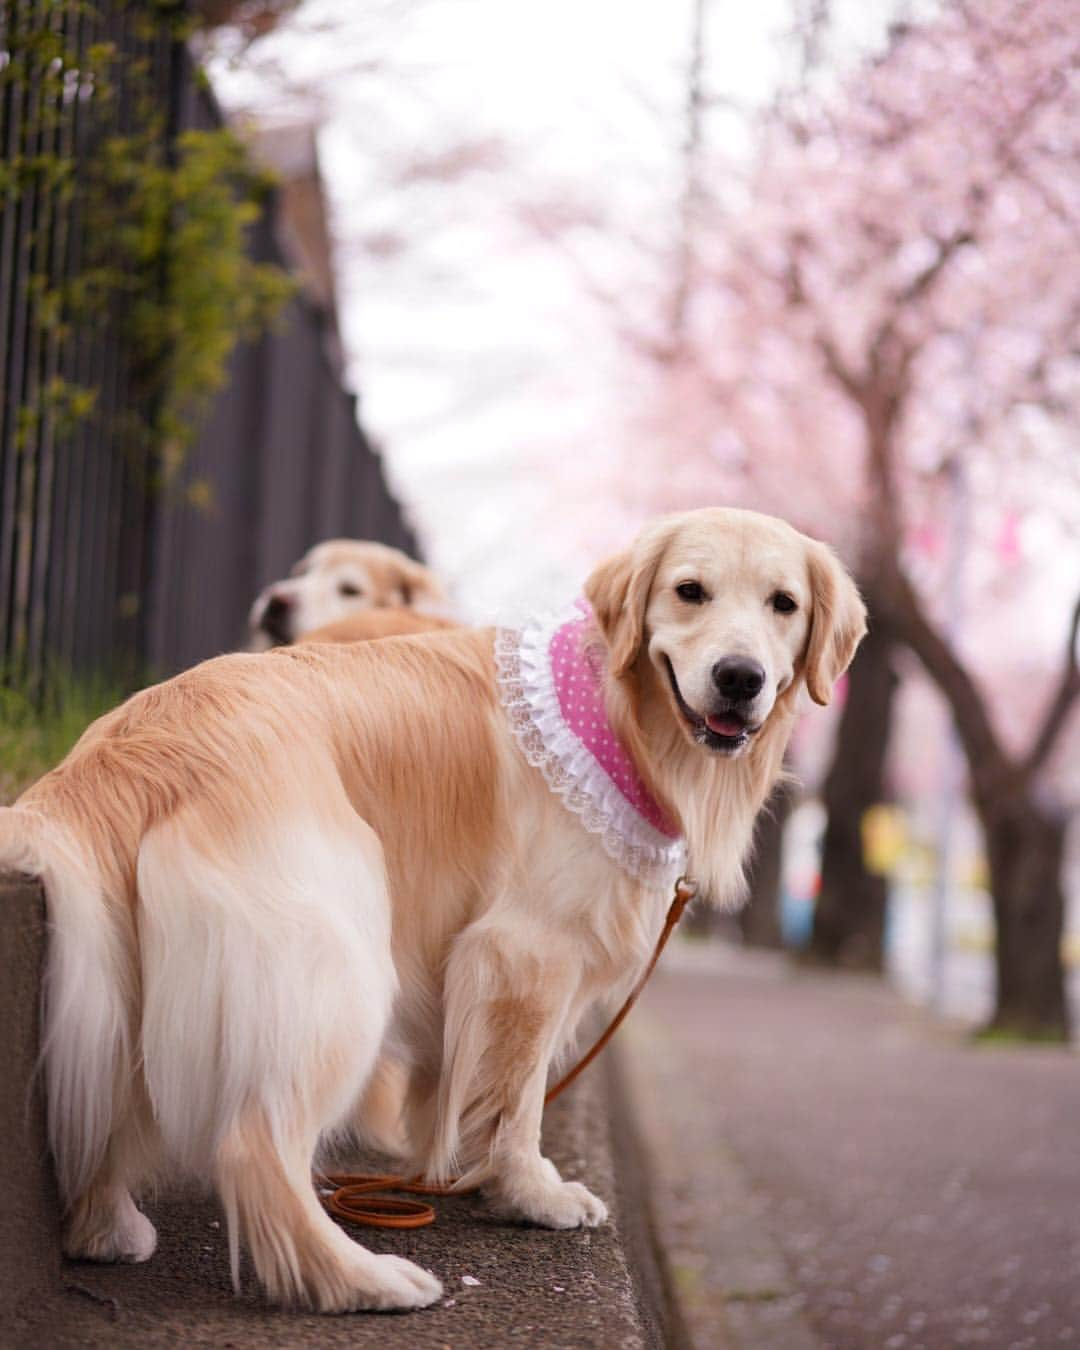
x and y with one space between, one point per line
837 622
618 591
415 582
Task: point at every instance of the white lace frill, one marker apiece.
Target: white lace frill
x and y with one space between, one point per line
528 694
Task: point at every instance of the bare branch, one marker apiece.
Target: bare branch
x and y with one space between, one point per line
1058 712
798 296
989 766
923 284
838 367
814 31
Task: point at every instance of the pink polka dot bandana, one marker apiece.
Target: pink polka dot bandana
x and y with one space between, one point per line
579 685
551 687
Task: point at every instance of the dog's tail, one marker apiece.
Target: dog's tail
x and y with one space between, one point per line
86 1033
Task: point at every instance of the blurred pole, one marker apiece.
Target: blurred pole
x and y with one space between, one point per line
759 919
692 186
952 775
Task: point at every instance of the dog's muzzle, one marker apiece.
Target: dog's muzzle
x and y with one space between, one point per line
728 727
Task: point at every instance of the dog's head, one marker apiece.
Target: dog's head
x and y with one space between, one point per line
334 580
731 609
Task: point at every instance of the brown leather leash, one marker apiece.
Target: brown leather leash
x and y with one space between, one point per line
358 1198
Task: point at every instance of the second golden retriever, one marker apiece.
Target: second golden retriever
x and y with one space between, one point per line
335 580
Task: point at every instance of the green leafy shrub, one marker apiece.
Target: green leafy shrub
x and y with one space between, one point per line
164 223
36 732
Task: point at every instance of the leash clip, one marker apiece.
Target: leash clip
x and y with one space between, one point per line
686 889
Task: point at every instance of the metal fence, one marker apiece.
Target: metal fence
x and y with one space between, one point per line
98 570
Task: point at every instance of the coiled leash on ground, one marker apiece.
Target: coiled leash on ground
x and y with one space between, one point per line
359 1198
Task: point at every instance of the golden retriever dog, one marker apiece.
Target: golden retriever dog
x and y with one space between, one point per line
335 580
267 870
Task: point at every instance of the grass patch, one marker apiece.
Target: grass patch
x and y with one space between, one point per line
35 735
1011 1038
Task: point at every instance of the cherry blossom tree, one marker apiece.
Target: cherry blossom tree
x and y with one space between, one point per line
887 302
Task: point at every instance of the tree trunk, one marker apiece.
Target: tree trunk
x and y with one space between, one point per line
1025 842
759 919
1026 851
849 917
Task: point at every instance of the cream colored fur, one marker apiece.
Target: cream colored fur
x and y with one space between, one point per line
370 624
265 871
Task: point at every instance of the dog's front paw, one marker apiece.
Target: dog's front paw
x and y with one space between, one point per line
382 1283
559 1204
402 1284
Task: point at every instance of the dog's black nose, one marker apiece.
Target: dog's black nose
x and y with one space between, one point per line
738 678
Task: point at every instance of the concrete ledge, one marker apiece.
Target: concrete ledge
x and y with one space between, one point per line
505 1284
29 1223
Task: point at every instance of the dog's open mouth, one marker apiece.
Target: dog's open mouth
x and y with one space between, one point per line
725 731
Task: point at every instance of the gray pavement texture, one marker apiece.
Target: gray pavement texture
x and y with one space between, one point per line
505 1284
833 1168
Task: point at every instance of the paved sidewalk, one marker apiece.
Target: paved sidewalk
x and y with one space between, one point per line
833 1168
505 1284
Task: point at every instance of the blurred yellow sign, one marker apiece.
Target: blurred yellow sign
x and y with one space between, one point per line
884 838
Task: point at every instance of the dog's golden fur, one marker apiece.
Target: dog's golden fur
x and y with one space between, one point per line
267 870
370 624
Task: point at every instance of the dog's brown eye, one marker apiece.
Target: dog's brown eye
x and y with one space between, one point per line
347 588
690 591
783 603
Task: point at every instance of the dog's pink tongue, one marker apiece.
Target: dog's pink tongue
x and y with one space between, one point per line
725 725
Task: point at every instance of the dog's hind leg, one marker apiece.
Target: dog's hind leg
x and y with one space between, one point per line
300 1255
103 1223
99 1129
268 987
